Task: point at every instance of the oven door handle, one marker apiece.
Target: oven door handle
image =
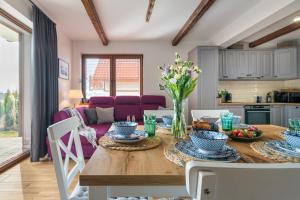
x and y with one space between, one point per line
258 111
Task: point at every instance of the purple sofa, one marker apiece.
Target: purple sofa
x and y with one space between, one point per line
123 106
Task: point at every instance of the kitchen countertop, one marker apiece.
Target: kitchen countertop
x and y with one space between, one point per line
251 103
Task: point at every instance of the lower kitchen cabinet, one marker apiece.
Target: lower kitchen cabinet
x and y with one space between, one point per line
236 110
291 112
276 115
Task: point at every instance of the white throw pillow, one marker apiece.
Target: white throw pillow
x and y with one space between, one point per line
105 115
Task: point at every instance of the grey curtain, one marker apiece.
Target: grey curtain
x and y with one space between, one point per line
45 81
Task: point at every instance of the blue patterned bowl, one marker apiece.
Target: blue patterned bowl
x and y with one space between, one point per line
124 128
208 140
167 119
292 138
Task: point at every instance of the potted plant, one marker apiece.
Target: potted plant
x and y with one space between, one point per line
179 81
222 95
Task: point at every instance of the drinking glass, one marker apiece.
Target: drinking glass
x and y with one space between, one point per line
226 120
150 124
294 124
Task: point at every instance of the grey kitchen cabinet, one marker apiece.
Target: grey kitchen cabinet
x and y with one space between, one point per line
266 64
204 95
230 64
236 110
242 64
254 64
277 114
246 64
285 63
291 112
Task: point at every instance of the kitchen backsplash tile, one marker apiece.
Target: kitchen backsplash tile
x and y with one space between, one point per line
292 84
246 91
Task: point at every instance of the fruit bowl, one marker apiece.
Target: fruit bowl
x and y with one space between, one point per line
209 141
245 134
124 127
292 139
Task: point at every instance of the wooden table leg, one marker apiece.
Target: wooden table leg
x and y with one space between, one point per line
98 193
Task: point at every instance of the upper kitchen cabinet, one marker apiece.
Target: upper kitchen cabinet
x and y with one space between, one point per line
266 64
230 64
278 64
244 64
285 63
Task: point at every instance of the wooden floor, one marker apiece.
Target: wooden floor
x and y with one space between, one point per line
28 181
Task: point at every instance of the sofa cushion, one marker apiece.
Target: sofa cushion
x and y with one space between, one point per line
152 102
59 116
102 102
105 115
101 129
91 115
127 105
82 113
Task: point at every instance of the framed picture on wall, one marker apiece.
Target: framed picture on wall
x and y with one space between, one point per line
63 68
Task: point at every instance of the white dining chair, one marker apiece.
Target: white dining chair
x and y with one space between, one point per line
65 176
159 113
236 181
210 114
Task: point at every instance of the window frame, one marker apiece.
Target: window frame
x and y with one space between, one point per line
112 58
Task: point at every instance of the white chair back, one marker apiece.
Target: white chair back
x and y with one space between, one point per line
159 113
236 181
199 114
63 175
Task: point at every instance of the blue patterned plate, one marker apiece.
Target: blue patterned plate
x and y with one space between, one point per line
138 136
164 126
187 147
283 147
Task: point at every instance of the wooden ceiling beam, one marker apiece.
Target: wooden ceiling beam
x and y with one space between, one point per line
280 32
149 10
93 15
193 19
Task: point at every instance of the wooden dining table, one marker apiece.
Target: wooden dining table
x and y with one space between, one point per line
149 173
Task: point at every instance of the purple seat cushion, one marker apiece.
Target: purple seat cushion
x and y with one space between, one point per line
152 102
127 105
102 102
83 115
61 115
101 129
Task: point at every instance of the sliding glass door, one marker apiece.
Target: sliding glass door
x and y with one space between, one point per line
110 75
10 136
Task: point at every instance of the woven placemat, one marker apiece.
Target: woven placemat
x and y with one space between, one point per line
180 159
262 149
148 143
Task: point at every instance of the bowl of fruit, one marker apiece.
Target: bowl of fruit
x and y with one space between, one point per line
247 134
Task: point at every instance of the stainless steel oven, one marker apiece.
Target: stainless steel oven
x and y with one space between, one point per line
257 114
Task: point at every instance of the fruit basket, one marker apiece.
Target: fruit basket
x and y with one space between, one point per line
248 134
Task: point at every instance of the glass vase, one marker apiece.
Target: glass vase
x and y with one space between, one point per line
178 124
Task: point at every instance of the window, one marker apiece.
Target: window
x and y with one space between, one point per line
10 136
110 75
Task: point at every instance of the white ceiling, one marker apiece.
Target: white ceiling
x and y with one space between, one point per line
124 20
295 35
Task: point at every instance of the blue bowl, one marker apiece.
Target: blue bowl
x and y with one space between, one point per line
124 127
292 138
167 119
208 140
